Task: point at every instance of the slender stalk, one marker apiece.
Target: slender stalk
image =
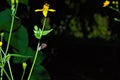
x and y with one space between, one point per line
43 25
31 70
16 7
24 65
2 51
14 11
117 10
2 69
33 62
23 74
1 76
12 24
2 36
10 70
9 44
6 74
9 38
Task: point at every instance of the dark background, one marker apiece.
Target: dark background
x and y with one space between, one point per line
70 58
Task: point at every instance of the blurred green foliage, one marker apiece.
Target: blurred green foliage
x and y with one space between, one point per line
101 29
98 30
80 23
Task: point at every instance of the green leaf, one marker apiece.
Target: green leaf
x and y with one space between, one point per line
37 33
29 53
19 42
5 21
45 32
37 36
40 73
19 39
40 58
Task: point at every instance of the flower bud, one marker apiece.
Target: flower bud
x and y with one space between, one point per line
16 1
24 65
2 34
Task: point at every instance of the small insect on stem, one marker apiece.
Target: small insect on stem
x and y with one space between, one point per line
43 45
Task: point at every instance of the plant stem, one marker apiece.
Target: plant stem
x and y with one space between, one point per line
43 25
14 11
23 74
34 61
9 38
1 78
6 74
11 28
10 70
36 51
12 23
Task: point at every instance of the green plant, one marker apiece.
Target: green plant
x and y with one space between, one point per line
21 50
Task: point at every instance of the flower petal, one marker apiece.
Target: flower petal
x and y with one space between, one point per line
45 13
37 10
51 10
106 3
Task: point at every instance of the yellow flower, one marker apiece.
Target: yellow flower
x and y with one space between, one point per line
45 9
1 43
106 3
